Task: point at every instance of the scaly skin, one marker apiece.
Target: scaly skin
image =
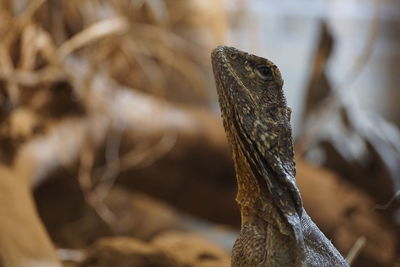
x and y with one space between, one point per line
276 230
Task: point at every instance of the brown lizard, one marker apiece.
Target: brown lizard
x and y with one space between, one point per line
276 230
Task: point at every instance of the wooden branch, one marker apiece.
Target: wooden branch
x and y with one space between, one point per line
23 239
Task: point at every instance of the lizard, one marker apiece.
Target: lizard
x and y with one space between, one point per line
275 228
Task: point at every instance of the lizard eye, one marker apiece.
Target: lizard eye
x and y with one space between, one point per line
233 55
264 73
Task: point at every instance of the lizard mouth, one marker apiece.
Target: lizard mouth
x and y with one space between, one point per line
225 73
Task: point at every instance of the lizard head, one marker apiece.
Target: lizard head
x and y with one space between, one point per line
249 77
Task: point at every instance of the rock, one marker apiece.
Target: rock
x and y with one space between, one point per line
126 252
177 249
192 250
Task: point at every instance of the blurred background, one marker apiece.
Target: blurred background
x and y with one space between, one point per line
112 152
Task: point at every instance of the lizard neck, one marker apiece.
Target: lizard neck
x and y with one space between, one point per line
253 198
265 237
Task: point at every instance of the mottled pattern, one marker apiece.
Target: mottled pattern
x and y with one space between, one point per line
276 231
250 245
